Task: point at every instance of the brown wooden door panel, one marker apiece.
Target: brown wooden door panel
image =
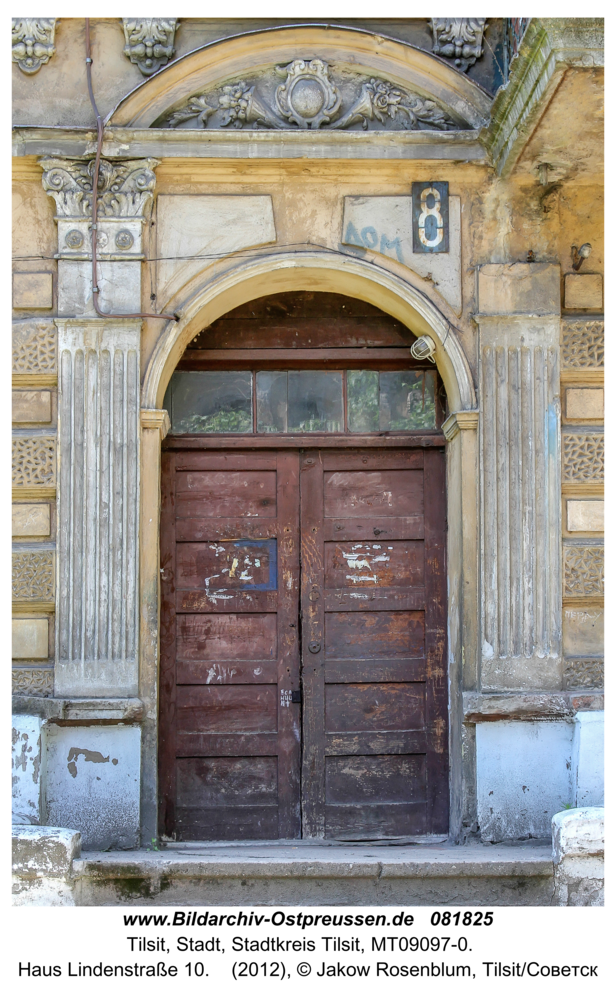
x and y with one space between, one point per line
373 615
370 634
356 565
391 493
229 823
375 779
355 708
241 708
359 822
230 733
226 494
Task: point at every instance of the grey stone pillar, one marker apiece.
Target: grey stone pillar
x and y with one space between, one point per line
521 591
97 633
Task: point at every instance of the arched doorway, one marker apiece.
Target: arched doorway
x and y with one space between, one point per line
304 666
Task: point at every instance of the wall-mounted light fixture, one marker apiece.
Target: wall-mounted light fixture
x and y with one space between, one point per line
423 349
579 256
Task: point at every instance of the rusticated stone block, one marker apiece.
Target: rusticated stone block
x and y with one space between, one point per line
583 632
583 570
504 289
31 407
583 343
585 672
32 290
583 291
585 515
33 575
583 458
34 346
34 461
30 638
584 404
31 520
32 680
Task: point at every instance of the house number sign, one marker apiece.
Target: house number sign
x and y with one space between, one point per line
430 217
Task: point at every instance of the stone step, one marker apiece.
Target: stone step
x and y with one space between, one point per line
292 873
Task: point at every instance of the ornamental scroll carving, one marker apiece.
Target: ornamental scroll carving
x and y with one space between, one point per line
34 346
32 681
33 575
583 569
34 461
149 41
583 344
125 189
587 672
583 458
311 97
33 42
458 38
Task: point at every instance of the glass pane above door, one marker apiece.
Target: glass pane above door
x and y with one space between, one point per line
210 402
302 402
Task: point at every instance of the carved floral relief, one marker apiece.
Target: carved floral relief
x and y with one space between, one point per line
311 97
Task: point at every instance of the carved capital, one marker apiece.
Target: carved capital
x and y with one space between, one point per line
149 41
156 420
125 188
458 38
463 420
33 42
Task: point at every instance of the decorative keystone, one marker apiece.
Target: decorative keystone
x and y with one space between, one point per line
149 41
33 42
458 38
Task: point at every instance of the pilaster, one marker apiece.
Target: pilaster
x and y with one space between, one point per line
97 631
521 590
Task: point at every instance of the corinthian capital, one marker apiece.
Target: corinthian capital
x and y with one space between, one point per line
125 188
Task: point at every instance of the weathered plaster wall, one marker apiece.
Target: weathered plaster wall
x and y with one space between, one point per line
93 783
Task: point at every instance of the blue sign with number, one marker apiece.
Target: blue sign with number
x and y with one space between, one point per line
430 217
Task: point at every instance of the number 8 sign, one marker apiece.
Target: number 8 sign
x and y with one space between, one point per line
430 217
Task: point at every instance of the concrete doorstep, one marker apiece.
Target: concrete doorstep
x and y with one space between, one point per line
50 869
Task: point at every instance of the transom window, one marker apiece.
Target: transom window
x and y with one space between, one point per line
355 401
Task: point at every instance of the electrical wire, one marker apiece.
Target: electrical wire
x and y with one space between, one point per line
94 225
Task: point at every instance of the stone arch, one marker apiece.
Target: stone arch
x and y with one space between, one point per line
252 52
310 271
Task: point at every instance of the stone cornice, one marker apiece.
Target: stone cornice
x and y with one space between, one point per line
30 141
528 706
549 47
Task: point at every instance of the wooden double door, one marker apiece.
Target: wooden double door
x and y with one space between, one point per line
303 644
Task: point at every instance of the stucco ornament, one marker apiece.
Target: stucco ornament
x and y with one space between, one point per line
33 42
307 97
149 41
310 99
125 189
458 38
